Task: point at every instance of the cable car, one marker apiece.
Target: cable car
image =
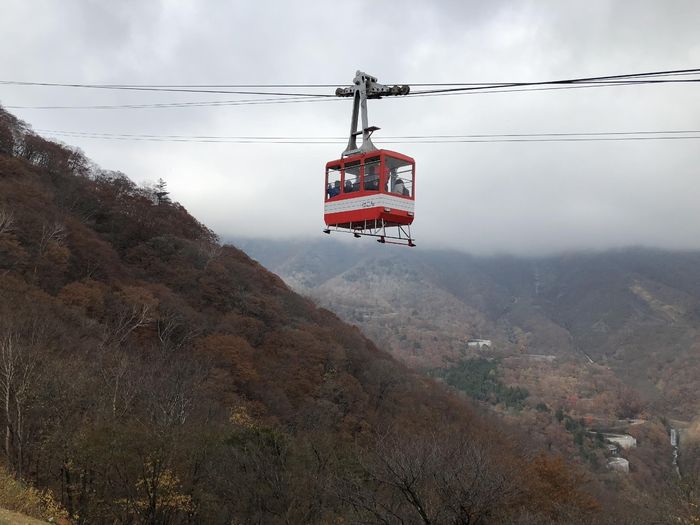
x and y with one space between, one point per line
370 191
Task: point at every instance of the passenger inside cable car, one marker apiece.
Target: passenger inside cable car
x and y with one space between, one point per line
371 173
334 190
400 179
351 173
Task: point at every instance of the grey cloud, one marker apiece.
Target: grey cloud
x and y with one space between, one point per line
518 198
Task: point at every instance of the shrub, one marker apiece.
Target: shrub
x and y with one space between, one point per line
20 497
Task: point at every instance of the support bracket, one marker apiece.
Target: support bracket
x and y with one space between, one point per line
365 87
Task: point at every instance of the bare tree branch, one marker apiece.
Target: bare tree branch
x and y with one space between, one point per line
7 221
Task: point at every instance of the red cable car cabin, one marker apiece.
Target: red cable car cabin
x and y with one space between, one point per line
371 190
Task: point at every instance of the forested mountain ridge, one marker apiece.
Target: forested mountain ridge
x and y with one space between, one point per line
577 342
635 311
151 375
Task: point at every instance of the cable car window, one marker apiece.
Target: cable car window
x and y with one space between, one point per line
352 177
333 178
372 174
400 179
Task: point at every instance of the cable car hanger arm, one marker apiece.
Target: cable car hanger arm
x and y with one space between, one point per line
365 87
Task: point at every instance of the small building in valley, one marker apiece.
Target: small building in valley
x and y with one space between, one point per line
622 440
619 465
479 343
612 449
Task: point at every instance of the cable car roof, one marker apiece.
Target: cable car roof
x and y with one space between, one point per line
373 153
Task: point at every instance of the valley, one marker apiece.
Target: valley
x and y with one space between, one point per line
601 338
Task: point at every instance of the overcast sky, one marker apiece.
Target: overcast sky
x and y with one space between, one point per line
518 198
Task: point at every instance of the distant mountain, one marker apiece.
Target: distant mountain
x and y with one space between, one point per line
635 310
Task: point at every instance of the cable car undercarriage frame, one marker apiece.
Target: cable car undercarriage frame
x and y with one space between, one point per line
402 235
386 214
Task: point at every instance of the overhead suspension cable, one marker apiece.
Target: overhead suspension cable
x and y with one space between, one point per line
587 85
194 104
307 98
483 135
235 88
407 139
490 84
581 80
164 87
126 87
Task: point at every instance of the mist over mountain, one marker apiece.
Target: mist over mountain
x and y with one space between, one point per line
634 310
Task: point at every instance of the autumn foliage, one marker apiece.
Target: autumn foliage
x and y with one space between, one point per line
149 374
